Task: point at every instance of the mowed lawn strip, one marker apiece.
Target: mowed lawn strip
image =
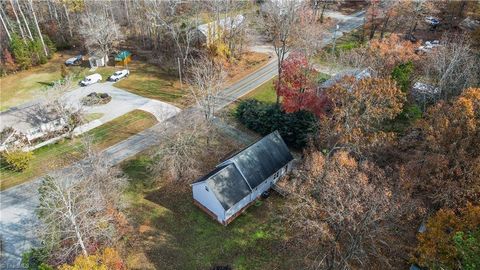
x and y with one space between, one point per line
65 152
265 93
172 233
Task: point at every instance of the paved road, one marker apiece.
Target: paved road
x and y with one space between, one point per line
17 217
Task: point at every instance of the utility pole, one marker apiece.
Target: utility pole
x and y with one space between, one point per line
180 72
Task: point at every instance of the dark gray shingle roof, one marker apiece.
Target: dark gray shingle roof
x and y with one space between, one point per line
228 186
256 162
263 158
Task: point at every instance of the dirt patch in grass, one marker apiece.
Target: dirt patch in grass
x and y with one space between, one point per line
63 153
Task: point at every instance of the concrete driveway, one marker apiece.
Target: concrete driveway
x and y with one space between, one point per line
122 102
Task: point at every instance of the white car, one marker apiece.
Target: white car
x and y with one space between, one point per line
91 79
118 75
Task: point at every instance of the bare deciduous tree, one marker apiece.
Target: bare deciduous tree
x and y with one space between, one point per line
308 35
206 79
177 159
75 209
452 67
100 32
338 211
278 22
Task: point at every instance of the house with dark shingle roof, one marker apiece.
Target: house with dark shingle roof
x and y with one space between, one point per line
238 181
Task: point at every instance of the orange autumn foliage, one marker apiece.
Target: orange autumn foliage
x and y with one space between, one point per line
447 166
390 52
108 259
436 247
359 111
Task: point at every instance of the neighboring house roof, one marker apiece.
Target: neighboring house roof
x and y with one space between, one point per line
358 74
224 23
235 178
423 88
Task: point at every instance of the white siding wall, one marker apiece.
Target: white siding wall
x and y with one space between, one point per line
237 207
208 199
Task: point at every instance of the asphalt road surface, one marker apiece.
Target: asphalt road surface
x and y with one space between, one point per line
17 204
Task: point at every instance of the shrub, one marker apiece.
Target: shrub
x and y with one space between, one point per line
296 128
35 259
17 160
402 75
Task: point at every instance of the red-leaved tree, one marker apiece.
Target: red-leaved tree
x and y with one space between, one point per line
297 86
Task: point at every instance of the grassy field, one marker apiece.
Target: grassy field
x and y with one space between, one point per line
171 233
26 85
60 154
150 81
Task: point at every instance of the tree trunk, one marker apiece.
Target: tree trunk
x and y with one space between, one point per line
5 26
38 28
384 27
25 21
373 30
68 20
126 11
18 20
322 13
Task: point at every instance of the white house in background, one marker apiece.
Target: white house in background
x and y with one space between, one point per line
213 30
238 181
98 59
357 74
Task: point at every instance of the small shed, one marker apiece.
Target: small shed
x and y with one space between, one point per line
238 181
123 58
98 59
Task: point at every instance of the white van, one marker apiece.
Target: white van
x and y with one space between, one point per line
91 79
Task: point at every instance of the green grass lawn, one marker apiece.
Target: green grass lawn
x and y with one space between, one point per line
172 233
60 154
264 92
26 85
151 82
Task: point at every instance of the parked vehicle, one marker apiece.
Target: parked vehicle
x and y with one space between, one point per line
432 21
91 79
118 75
429 45
74 60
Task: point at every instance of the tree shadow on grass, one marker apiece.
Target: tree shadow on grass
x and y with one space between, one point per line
193 240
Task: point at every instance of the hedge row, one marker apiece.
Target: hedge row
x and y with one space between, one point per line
264 118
